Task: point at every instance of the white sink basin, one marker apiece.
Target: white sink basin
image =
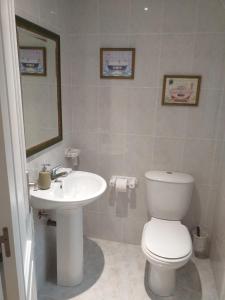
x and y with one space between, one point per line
77 189
67 198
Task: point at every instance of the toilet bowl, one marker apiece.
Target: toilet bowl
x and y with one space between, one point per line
167 246
166 242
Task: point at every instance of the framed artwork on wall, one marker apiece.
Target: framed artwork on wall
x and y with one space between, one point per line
32 61
117 63
181 90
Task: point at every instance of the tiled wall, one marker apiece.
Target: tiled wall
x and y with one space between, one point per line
52 15
121 126
218 216
218 234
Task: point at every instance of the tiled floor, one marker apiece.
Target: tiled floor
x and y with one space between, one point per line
116 271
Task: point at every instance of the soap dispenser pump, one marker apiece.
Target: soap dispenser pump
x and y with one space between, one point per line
44 180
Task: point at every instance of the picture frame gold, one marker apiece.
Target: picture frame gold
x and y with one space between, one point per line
117 63
181 90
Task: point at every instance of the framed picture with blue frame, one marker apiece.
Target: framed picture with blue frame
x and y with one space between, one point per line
117 63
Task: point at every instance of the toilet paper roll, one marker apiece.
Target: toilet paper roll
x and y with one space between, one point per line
121 185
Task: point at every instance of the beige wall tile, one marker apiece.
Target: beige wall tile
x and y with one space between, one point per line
83 16
85 108
168 153
184 21
112 109
211 18
197 159
147 60
176 54
114 16
140 110
209 59
142 21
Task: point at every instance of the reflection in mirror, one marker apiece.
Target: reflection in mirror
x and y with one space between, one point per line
39 59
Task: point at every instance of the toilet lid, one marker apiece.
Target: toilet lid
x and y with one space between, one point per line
167 239
170 177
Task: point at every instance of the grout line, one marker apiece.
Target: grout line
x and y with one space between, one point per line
134 87
98 17
195 33
129 18
154 125
146 34
148 135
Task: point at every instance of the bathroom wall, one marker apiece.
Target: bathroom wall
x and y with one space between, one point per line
218 215
121 126
218 236
52 15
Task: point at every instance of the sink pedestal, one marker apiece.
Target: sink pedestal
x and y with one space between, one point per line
69 240
77 190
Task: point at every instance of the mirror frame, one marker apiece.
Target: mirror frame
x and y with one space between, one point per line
23 23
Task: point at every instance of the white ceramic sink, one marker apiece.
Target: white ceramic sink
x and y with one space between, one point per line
67 198
77 189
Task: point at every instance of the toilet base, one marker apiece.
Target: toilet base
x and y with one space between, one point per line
162 281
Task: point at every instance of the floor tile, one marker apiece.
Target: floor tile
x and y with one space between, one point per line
117 271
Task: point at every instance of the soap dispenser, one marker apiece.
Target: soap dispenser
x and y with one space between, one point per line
44 180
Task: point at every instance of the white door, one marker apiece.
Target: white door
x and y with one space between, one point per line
15 214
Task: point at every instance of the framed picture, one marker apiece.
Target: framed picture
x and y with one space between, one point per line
181 90
32 61
117 63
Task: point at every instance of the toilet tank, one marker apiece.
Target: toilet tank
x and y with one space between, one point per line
168 194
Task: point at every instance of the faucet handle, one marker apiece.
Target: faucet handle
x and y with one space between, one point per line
56 168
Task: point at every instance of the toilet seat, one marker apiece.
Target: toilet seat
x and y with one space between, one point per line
166 241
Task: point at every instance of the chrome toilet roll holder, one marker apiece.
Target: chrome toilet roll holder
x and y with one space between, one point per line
131 181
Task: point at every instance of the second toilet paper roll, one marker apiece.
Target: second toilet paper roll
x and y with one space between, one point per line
121 185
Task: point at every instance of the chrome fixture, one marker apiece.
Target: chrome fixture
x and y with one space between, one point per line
54 173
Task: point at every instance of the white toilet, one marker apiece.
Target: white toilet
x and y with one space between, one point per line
166 243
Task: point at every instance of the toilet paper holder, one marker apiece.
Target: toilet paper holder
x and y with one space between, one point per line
131 181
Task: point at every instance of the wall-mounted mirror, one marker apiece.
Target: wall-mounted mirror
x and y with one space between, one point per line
39 59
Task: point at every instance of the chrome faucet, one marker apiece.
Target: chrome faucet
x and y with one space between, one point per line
54 173
54 170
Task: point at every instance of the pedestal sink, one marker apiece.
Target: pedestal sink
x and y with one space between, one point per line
67 198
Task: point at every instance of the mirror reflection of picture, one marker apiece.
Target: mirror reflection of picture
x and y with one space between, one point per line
39 58
32 60
181 90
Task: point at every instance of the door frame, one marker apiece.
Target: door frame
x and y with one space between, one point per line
17 215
